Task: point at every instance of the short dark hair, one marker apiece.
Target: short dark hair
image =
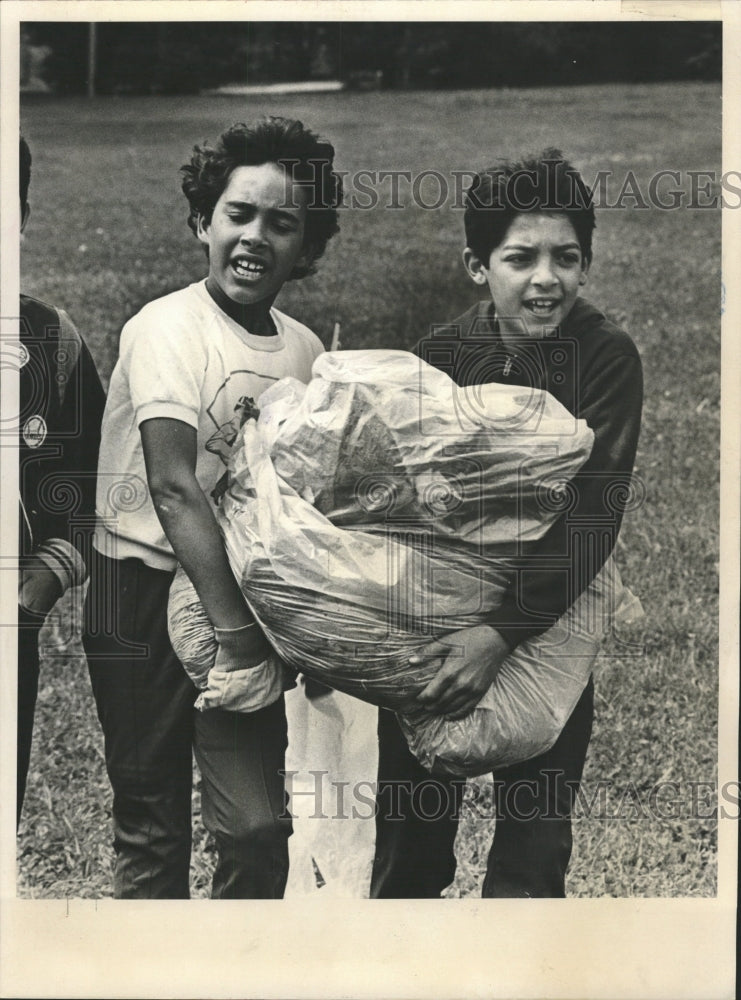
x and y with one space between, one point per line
24 173
546 183
307 159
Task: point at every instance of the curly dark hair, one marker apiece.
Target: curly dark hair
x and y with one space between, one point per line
543 183
307 159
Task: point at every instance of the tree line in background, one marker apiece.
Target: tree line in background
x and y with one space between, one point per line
159 57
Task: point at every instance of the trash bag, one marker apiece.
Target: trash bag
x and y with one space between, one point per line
379 438
380 507
535 691
191 632
194 644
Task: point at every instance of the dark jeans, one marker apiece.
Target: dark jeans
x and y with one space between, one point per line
145 706
417 818
29 626
241 757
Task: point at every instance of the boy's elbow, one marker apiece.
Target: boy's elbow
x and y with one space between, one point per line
169 495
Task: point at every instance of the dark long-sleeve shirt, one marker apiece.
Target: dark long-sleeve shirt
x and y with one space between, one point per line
592 367
61 409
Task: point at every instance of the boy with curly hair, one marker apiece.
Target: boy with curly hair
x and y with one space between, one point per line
263 202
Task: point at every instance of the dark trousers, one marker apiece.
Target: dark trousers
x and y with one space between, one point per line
145 706
29 626
417 818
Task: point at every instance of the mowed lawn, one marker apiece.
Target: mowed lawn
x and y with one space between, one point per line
108 233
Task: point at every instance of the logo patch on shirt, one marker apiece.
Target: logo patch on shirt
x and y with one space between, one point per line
34 431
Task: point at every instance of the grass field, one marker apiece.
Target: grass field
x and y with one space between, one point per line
108 232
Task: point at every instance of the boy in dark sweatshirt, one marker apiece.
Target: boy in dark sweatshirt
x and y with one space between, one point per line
529 231
61 409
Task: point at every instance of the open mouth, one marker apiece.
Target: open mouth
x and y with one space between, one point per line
542 306
248 268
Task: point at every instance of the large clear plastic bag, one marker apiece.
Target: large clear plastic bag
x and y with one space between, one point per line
537 688
380 439
378 508
245 689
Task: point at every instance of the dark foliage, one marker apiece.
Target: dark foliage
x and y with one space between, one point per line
183 58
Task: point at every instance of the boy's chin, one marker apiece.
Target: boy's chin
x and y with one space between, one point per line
245 295
530 329
231 293
538 328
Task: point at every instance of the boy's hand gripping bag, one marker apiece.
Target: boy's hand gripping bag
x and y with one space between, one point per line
194 643
379 507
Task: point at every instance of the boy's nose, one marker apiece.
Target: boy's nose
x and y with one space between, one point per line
253 233
544 275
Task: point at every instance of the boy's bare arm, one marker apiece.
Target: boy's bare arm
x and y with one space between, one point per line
188 521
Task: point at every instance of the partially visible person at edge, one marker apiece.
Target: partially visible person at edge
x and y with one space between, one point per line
263 202
60 411
528 228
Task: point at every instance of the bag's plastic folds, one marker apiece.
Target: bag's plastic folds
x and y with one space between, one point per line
380 507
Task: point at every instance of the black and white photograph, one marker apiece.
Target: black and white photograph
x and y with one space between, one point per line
361 457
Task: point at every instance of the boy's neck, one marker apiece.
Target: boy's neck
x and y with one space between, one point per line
254 317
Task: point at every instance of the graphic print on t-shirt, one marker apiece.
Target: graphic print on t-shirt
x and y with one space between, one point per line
220 443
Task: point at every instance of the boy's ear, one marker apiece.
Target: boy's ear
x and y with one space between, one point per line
475 266
584 272
202 231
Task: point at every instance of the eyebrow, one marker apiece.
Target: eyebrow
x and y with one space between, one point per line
530 246
283 213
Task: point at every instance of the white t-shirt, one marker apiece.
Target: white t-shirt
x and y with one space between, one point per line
183 358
